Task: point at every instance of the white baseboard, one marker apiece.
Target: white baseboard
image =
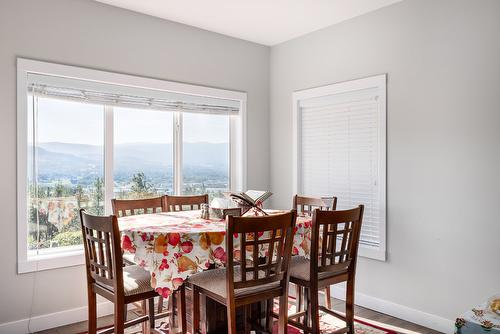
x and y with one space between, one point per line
399 311
51 320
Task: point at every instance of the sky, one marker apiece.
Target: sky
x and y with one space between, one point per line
81 123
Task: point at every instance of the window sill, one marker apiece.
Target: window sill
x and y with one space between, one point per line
51 260
372 252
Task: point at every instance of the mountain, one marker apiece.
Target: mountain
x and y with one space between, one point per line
62 164
55 158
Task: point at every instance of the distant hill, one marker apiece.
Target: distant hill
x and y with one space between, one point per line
75 159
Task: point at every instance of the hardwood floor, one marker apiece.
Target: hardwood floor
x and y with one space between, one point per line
376 318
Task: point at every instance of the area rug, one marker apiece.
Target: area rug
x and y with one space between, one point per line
328 325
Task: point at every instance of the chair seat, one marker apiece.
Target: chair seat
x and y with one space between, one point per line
136 280
215 282
300 269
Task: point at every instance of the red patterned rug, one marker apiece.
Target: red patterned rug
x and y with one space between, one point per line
328 324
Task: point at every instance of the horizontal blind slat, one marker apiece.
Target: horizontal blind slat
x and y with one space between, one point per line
339 155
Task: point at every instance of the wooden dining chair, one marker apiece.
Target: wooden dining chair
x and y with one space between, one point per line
183 203
254 280
128 207
306 205
106 275
334 248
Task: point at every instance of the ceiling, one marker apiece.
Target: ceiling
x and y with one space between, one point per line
267 22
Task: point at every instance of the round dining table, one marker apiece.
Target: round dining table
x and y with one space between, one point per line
171 246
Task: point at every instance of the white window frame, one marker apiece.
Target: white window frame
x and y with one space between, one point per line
74 255
379 81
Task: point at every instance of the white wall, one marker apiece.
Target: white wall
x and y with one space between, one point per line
89 34
443 64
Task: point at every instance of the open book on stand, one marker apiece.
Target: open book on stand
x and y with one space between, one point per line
251 199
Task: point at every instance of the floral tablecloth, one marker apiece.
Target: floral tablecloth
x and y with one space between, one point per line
174 245
478 320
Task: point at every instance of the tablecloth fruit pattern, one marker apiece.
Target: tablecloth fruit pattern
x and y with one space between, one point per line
174 245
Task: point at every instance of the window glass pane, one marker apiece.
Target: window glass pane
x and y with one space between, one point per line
142 153
205 154
65 170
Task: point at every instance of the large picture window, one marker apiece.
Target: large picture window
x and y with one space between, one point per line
86 136
340 150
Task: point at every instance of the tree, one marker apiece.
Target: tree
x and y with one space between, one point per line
140 186
59 189
98 195
79 194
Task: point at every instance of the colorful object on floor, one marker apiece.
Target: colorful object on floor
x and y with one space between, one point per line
174 245
481 319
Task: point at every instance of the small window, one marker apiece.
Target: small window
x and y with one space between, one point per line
340 150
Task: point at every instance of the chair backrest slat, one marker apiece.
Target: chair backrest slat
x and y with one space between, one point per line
177 203
335 240
130 207
103 256
266 262
306 205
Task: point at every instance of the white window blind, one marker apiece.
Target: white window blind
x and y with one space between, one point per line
126 96
341 152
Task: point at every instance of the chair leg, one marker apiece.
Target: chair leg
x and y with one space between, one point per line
328 298
171 308
231 318
119 319
298 297
283 314
92 312
160 304
151 311
181 309
314 312
145 327
349 306
307 308
246 315
269 316
195 318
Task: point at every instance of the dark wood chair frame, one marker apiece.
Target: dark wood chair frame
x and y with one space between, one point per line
340 232
104 267
126 207
280 231
307 205
121 207
176 203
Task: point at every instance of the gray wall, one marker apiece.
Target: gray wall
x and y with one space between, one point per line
442 59
89 34
443 64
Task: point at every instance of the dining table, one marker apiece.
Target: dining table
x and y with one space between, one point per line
171 246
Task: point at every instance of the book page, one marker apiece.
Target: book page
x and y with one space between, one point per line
254 194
